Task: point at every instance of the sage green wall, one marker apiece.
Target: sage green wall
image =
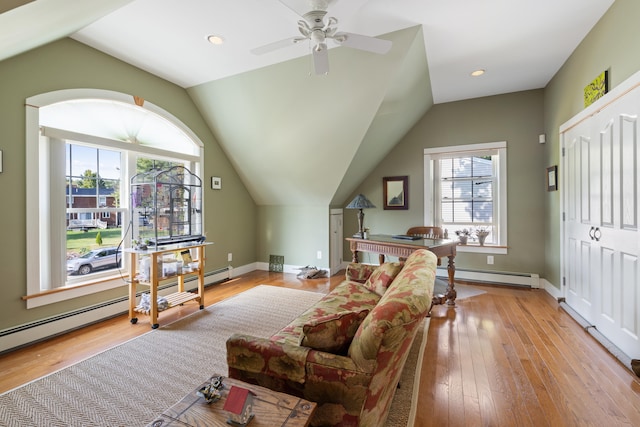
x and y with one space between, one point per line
611 45
516 118
296 232
230 212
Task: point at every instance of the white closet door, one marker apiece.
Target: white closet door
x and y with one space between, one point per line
601 239
617 232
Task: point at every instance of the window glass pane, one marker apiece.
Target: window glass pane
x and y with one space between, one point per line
462 212
482 189
482 166
446 167
462 167
92 233
446 190
83 159
462 190
447 212
109 166
482 212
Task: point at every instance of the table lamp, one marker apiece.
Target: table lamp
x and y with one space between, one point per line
360 202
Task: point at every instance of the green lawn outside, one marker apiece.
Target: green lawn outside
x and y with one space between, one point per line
80 242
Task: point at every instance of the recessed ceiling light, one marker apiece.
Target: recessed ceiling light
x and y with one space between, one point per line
477 73
214 39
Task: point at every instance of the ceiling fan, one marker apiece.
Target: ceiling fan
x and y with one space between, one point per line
317 28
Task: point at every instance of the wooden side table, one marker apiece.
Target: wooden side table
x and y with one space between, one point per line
175 299
270 408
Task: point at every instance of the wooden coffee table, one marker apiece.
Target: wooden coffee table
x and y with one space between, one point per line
270 408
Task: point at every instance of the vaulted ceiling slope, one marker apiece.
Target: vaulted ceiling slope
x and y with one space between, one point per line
292 136
27 24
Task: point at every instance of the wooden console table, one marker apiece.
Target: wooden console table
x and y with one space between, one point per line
155 277
383 244
270 408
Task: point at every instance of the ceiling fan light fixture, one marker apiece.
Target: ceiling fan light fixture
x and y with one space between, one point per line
215 39
478 73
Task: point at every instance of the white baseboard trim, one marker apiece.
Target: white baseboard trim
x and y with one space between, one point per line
551 289
287 268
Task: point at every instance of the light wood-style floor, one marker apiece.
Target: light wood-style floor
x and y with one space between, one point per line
508 357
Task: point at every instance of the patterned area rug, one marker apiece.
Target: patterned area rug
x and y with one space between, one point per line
130 384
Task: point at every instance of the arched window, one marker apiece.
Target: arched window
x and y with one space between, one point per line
83 146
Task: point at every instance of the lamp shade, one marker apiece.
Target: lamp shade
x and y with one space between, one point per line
360 202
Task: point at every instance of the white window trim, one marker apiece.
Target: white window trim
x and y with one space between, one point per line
430 154
37 170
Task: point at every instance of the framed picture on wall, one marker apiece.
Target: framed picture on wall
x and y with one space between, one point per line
552 178
395 191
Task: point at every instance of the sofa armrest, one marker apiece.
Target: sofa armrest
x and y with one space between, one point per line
263 356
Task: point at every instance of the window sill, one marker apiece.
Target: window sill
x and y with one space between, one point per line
69 292
486 249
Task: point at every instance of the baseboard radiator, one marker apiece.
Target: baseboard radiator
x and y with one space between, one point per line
42 329
528 280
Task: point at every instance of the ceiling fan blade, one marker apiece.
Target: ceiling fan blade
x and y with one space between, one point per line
358 41
276 45
320 61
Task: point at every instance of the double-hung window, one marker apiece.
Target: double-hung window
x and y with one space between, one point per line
465 191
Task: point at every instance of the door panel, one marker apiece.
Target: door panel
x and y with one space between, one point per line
577 182
336 242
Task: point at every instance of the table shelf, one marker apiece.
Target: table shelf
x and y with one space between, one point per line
174 299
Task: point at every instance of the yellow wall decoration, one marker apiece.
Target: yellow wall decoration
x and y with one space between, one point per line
596 89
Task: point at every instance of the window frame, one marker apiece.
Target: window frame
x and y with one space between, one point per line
432 190
41 165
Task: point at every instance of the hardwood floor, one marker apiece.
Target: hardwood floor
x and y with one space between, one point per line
508 357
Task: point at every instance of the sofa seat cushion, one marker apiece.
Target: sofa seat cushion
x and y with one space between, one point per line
382 277
332 333
346 297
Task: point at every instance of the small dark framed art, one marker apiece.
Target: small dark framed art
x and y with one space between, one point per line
395 191
552 178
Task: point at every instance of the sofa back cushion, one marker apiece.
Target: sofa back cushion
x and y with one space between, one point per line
358 272
382 277
332 333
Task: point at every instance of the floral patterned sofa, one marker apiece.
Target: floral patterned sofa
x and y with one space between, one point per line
347 351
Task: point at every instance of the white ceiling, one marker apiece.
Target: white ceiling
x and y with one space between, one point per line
521 43
345 122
